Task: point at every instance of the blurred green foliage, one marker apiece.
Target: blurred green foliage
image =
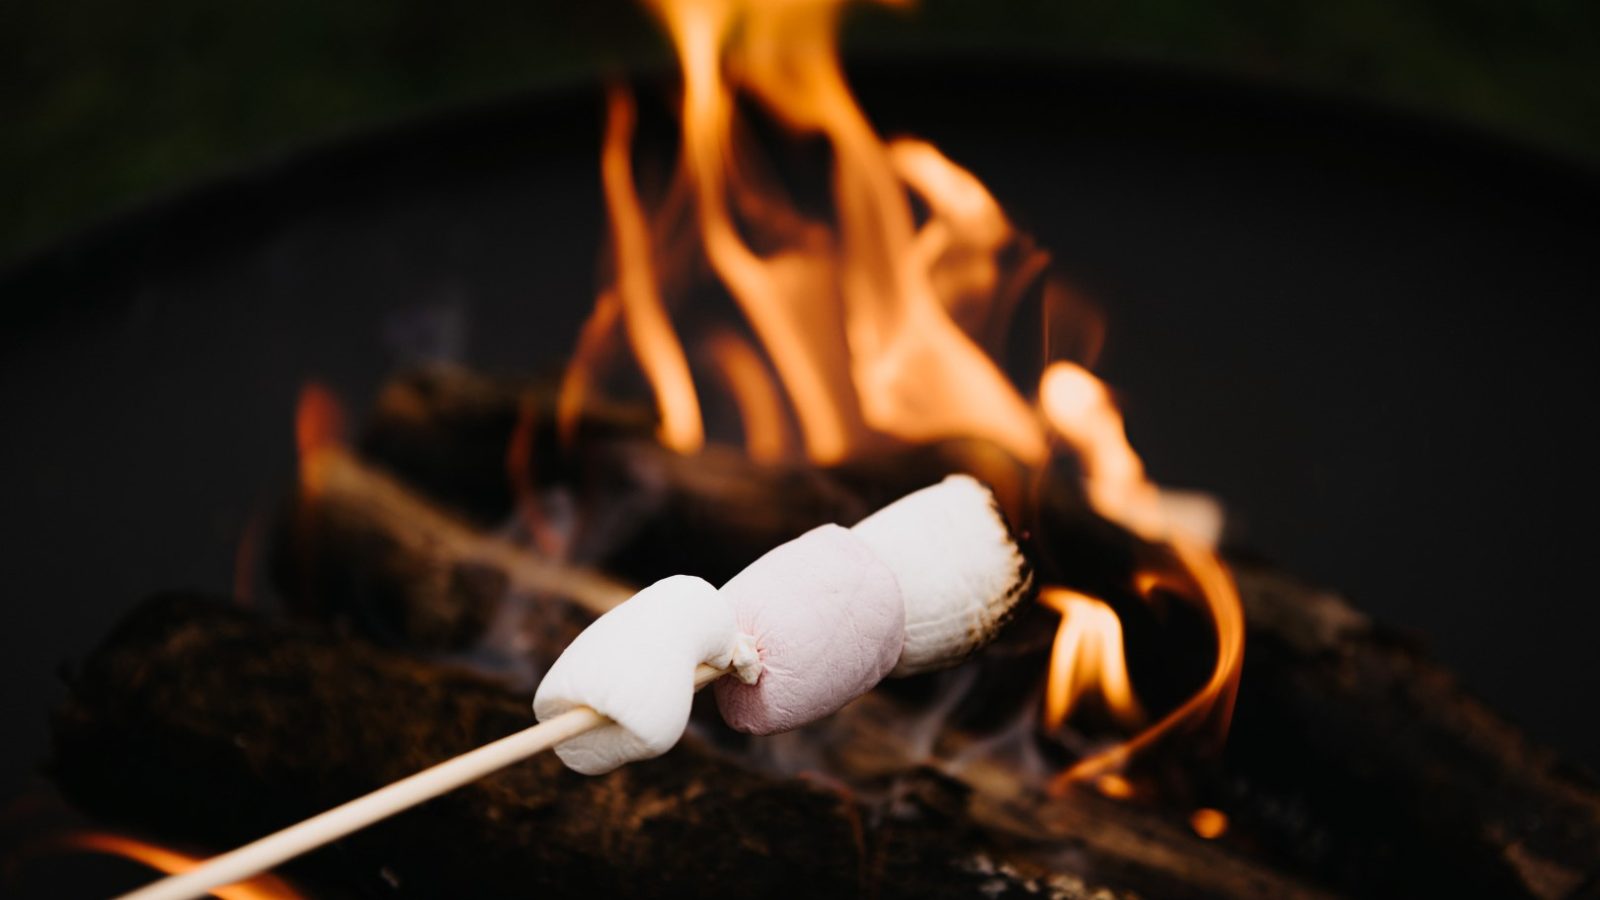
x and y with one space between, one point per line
103 103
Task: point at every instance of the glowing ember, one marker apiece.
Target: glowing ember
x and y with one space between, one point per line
1114 786
1209 823
261 887
879 321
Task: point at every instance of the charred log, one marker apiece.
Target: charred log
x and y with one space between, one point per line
1354 754
1354 759
205 724
357 546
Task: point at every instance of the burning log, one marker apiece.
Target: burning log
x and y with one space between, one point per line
357 544
486 446
1353 758
188 722
466 440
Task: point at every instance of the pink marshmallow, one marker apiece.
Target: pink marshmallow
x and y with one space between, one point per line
828 623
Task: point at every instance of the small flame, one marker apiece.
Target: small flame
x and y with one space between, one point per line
1087 659
318 427
171 862
760 403
648 327
1080 410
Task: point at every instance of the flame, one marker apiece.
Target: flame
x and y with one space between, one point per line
1087 658
878 319
856 319
171 862
519 473
1080 410
318 428
760 404
648 328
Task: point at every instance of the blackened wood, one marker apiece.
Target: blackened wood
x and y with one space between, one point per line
1355 754
450 431
356 546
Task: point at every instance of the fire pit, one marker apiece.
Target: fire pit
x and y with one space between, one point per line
767 355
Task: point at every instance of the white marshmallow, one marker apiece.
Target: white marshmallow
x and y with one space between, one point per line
828 624
636 665
960 571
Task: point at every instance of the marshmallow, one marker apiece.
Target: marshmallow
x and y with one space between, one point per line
828 624
960 572
636 665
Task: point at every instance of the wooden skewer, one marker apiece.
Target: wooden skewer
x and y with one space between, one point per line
382 803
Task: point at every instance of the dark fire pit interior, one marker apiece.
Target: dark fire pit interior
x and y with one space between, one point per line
1367 335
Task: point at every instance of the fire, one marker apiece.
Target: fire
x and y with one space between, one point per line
171 862
318 426
645 321
1087 658
856 318
745 376
1080 410
520 475
875 324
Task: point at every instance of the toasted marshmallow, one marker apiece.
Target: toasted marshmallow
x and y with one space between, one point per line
960 571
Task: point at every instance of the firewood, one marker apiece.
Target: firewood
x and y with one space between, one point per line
200 722
449 431
1353 751
648 512
1353 757
365 547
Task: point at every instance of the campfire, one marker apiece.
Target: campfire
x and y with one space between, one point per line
885 404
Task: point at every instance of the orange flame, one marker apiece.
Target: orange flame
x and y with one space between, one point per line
1087 658
171 862
648 328
874 321
1080 410
520 474
318 427
857 320
760 403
